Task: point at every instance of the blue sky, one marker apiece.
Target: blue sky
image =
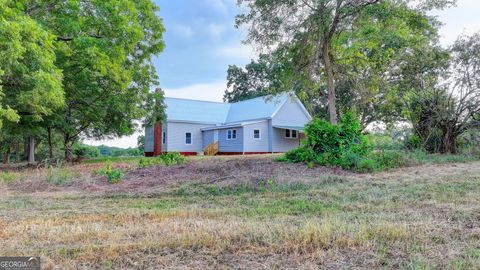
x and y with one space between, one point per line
201 41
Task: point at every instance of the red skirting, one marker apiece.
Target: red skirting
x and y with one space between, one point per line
188 153
152 154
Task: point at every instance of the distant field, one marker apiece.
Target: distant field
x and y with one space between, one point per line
243 212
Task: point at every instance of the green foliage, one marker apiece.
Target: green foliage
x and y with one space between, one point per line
141 143
300 154
30 83
113 175
344 146
86 151
166 159
327 144
95 57
8 177
413 142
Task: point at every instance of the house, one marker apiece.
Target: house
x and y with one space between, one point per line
260 125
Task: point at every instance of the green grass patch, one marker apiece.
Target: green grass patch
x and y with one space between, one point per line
59 176
8 177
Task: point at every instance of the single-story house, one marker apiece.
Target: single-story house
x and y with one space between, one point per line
268 124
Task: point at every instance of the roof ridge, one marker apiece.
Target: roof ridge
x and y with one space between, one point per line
189 99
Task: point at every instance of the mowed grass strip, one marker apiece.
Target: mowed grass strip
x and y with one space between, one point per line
401 219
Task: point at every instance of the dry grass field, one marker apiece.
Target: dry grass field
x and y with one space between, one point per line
243 212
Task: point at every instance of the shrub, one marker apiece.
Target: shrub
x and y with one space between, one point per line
413 142
166 159
339 145
113 175
366 165
300 154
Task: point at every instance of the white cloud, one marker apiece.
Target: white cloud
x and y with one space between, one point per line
184 31
219 5
203 91
215 30
462 19
237 51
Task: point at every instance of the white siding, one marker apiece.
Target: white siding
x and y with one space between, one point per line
256 145
282 144
290 114
176 137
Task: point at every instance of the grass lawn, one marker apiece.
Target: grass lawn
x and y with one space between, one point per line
247 212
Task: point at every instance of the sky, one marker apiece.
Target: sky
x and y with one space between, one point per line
201 41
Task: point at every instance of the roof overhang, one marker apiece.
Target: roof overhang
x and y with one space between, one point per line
299 128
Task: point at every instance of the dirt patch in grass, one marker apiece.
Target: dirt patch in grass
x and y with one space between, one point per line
222 169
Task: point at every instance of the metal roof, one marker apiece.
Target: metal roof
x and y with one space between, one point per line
223 113
196 110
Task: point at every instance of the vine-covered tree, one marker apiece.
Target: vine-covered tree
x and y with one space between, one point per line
443 111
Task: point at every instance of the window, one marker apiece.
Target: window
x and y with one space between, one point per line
256 134
164 139
188 138
231 134
291 133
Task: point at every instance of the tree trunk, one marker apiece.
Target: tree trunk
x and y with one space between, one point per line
31 150
17 152
26 150
67 147
50 146
327 61
448 142
6 156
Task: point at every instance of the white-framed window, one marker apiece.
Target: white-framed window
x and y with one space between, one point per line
188 138
164 137
256 134
291 133
231 134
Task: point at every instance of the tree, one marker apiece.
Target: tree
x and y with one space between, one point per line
155 104
29 79
316 30
141 143
315 23
104 49
258 78
443 111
